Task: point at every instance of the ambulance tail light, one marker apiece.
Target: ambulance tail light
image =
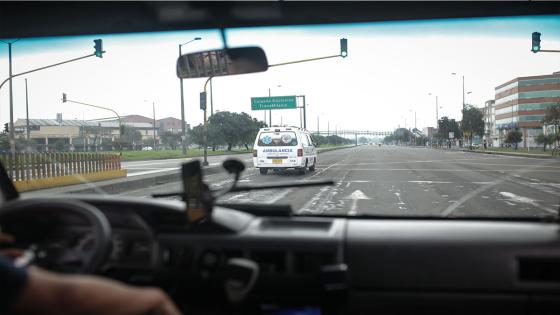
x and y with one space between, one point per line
254 153
299 152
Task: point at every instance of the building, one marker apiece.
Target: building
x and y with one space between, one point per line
169 124
79 135
491 134
521 103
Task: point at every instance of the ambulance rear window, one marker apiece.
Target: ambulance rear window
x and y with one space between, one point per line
277 139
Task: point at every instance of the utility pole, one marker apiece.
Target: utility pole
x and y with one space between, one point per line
211 99
437 114
415 120
26 109
317 124
154 112
183 122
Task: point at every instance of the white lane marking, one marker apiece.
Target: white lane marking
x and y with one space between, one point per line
355 196
483 183
522 199
427 182
151 172
279 196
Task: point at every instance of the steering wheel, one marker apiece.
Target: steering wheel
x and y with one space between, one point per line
60 235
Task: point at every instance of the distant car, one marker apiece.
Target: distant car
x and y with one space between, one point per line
147 149
475 146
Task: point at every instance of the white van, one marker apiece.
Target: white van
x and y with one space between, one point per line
284 147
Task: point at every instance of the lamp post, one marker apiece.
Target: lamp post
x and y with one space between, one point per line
11 124
463 79
183 123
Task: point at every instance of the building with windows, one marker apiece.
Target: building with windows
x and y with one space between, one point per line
521 103
491 134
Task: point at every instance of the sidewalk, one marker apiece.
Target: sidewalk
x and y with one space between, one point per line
547 155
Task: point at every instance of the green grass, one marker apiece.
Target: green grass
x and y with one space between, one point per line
173 154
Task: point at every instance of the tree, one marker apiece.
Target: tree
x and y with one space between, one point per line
545 140
171 140
445 126
128 138
473 122
552 117
514 137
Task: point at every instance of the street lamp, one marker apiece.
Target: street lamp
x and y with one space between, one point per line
463 78
437 114
11 124
183 123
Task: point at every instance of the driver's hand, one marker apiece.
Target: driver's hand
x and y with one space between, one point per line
5 241
50 293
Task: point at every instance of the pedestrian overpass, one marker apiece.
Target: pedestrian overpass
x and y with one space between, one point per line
353 133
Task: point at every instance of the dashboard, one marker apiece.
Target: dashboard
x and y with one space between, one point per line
340 265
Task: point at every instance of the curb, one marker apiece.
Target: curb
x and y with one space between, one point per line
124 184
512 154
60 181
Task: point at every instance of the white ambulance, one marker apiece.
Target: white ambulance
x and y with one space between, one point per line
284 147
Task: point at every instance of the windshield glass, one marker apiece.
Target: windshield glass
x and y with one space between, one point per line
277 139
440 118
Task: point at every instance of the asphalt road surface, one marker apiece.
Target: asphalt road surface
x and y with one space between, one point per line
137 168
400 181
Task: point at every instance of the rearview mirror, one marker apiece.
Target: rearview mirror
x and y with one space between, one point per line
221 62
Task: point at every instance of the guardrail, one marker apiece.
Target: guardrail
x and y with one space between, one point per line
33 166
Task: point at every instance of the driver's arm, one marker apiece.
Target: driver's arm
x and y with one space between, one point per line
50 293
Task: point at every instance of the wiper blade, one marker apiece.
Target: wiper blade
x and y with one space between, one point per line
261 187
284 185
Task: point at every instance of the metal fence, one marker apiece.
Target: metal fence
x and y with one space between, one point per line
27 166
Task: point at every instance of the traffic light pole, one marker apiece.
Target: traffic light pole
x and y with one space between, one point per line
65 100
11 76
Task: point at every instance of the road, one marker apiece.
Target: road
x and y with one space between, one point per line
400 181
138 168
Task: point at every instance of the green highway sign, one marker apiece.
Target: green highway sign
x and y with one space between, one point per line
273 102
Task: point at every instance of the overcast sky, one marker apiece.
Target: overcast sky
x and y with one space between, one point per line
386 78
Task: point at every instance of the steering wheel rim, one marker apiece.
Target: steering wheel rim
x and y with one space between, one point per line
100 226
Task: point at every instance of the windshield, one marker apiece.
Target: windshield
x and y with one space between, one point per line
439 118
277 139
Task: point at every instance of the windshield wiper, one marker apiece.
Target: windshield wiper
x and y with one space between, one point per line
260 187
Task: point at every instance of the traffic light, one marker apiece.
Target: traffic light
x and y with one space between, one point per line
536 42
63 97
6 128
343 47
98 48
